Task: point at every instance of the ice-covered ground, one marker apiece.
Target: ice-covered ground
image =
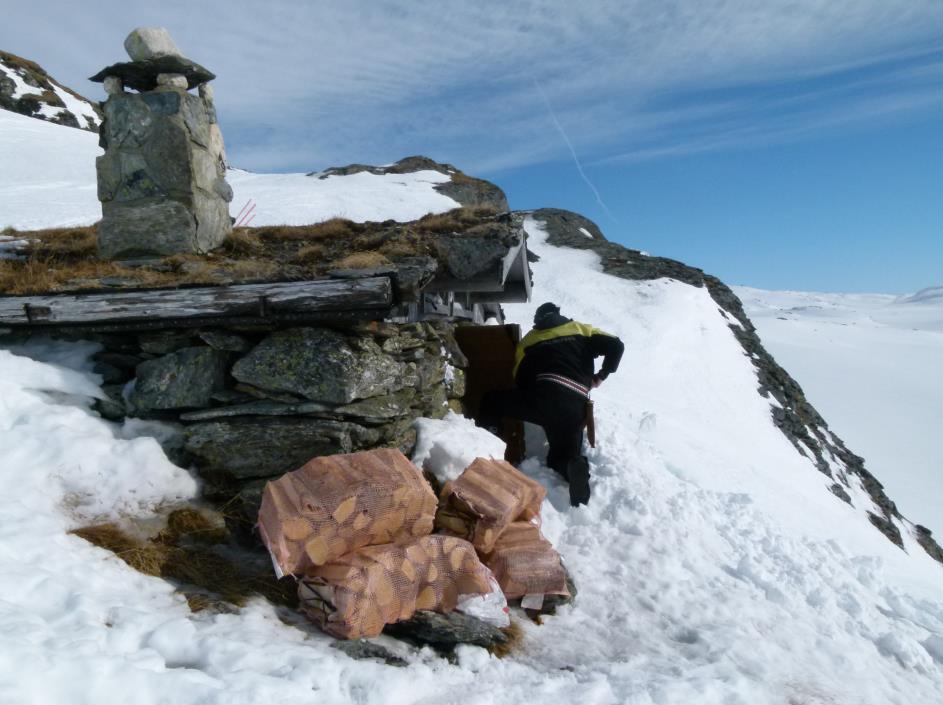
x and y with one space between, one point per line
713 564
47 180
872 364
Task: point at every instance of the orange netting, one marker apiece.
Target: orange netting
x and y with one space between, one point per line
525 563
335 504
485 499
357 594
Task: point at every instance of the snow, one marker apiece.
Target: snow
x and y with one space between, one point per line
446 447
298 199
48 174
870 363
20 87
83 112
586 233
713 565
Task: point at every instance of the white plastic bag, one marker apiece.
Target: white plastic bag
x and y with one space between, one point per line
491 608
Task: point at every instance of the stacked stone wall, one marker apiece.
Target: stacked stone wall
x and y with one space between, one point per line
246 405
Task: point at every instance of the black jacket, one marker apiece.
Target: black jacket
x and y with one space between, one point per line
566 348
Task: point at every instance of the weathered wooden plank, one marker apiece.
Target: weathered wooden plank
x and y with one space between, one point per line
248 300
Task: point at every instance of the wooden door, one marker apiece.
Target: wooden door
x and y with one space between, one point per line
490 353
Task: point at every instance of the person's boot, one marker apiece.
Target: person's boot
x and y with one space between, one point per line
578 475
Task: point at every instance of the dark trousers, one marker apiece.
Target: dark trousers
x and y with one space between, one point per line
561 413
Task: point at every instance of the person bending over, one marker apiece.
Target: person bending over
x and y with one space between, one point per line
554 371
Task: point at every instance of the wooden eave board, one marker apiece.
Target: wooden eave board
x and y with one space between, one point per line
323 295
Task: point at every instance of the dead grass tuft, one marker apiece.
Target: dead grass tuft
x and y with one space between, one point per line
311 254
454 220
143 558
242 242
515 636
361 260
191 523
61 244
329 229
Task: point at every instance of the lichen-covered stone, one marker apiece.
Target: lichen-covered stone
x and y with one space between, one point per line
319 364
159 184
264 446
185 379
447 630
224 340
382 408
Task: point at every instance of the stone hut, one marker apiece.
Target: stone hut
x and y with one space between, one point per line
161 180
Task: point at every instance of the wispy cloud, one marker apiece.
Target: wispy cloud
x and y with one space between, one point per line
303 85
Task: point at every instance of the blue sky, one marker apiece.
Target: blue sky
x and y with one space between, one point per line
791 144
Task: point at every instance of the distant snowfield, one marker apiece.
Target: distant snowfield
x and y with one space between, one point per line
47 180
872 364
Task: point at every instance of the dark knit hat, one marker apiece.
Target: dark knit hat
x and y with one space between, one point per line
545 310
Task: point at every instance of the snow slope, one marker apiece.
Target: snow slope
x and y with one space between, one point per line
871 364
713 565
47 180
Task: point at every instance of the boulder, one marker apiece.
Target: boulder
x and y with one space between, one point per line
185 379
150 42
321 365
254 447
446 631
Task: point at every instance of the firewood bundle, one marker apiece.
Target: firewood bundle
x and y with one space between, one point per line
359 593
336 504
497 508
483 501
525 563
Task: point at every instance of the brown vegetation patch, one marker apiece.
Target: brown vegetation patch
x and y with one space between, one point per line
515 637
454 220
362 260
190 552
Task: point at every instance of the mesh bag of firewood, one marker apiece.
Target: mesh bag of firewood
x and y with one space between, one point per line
335 504
485 499
525 563
357 594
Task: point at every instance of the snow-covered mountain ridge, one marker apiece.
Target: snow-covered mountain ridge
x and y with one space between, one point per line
26 88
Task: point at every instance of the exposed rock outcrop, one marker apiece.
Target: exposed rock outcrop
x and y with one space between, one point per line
792 413
27 89
466 190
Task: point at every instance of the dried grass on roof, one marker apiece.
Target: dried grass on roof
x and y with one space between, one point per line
66 259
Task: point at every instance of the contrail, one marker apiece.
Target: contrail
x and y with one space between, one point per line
576 159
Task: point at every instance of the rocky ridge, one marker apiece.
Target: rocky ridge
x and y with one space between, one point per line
466 190
791 411
27 89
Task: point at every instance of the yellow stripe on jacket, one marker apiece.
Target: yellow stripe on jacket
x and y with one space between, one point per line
561 331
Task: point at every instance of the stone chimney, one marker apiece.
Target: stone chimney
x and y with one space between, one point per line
161 180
